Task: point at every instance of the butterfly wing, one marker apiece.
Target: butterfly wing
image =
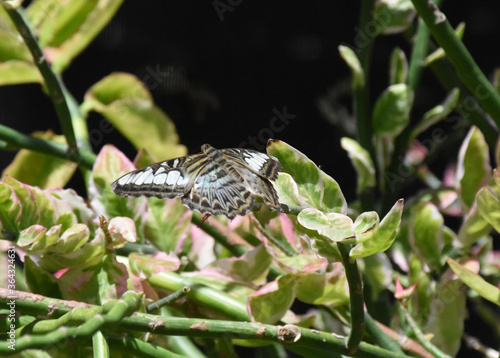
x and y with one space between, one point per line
253 169
261 164
217 182
168 179
217 192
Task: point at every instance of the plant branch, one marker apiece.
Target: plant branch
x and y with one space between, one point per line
356 299
436 352
361 92
53 83
16 140
460 57
293 336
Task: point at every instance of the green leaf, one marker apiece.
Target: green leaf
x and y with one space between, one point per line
447 315
398 70
269 304
127 104
66 22
439 53
436 114
30 213
10 209
12 47
473 168
319 190
67 28
485 289
167 222
323 288
383 238
426 234
393 16
40 281
350 57
392 110
341 228
488 206
362 162
31 235
109 166
287 189
473 227
253 266
366 225
19 72
71 240
378 271
144 266
313 219
39 169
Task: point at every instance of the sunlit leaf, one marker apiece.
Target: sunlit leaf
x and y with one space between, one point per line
398 69
270 303
392 110
383 238
447 315
350 57
319 190
426 234
393 16
485 289
124 101
473 169
362 162
40 169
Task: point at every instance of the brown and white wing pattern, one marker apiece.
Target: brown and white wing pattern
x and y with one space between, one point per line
218 182
168 179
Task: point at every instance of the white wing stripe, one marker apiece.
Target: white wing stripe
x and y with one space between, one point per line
160 179
172 177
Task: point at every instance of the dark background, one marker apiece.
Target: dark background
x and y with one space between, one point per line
222 78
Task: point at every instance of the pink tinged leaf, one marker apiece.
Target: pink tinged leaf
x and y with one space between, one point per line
123 230
30 235
403 292
144 265
10 209
30 212
253 266
271 302
288 230
202 252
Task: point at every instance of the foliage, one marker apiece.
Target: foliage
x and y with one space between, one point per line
117 256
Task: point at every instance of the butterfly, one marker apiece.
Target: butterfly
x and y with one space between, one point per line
214 181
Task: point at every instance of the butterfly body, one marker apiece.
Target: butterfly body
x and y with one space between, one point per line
215 181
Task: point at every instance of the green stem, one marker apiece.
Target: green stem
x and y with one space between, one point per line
180 344
361 93
460 57
17 140
100 345
53 83
168 300
202 295
133 347
382 339
235 250
355 298
418 54
165 325
422 339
